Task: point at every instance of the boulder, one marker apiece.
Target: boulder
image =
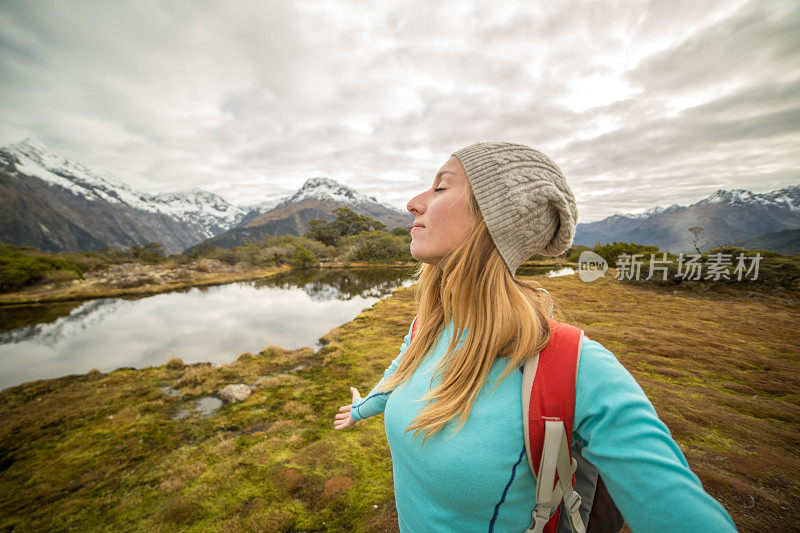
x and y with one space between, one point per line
234 393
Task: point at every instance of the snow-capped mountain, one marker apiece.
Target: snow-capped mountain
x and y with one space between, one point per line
56 204
262 207
649 212
321 188
735 216
788 197
206 211
316 199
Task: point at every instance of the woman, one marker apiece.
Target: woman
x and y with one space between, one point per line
491 207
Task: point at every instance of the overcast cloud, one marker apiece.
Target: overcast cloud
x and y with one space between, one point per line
640 103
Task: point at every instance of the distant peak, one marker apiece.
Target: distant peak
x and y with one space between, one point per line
30 143
321 181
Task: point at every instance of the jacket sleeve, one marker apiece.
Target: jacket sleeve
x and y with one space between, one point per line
642 466
375 402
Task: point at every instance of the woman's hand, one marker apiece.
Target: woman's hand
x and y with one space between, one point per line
343 419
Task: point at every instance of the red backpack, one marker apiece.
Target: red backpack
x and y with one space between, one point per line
562 473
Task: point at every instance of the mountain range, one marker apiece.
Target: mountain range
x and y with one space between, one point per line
58 205
316 199
769 221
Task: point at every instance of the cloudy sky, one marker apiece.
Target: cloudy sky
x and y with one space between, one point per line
640 103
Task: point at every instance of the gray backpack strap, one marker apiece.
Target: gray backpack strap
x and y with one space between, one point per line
556 458
528 374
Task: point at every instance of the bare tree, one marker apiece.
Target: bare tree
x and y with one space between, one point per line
699 239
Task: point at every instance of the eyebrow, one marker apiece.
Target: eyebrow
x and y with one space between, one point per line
439 174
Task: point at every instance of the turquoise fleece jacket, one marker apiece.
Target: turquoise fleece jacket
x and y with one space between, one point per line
478 479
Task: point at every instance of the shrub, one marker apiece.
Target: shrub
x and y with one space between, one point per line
302 257
610 251
379 246
20 266
88 261
574 252
234 255
57 276
175 362
401 232
775 271
151 253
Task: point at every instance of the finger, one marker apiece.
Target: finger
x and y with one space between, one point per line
340 421
345 408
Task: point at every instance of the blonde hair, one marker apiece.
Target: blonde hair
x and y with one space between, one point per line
506 317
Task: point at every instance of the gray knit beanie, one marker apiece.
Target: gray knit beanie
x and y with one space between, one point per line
524 199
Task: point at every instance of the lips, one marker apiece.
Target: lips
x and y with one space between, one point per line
418 226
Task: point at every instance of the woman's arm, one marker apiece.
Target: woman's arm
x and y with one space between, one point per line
375 402
642 466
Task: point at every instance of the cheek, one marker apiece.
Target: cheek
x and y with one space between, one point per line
462 220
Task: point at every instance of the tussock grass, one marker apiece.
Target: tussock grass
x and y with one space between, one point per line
100 451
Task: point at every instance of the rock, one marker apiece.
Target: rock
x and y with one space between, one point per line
234 393
335 486
133 281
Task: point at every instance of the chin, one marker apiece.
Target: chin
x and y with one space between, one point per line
424 259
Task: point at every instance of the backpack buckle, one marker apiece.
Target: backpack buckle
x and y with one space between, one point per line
544 512
573 502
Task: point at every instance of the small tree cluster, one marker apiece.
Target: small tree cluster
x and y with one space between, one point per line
346 223
380 247
152 252
610 251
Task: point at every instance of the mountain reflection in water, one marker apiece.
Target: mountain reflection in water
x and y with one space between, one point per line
211 323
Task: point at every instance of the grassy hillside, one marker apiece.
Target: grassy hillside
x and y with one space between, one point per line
103 450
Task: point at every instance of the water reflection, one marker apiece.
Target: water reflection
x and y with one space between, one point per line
548 271
212 323
81 317
335 284
17 316
566 271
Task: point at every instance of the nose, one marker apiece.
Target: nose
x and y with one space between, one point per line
416 205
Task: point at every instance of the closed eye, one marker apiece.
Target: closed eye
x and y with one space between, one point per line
437 190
